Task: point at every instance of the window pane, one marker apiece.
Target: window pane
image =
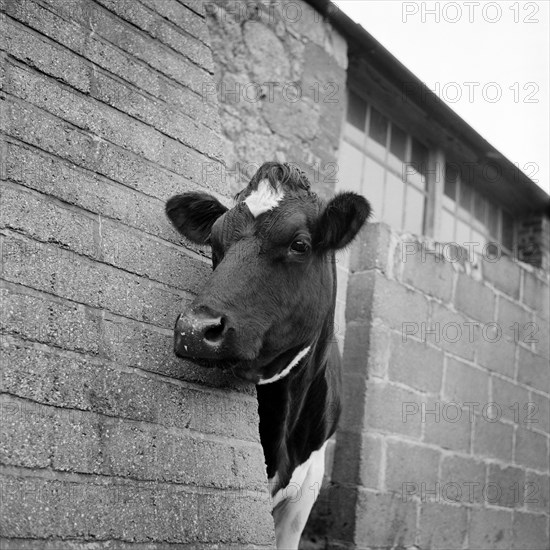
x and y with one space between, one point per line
393 201
378 127
419 156
507 230
447 227
493 220
479 208
398 142
416 169
414 211
480 241
451 180
415 177
465 196
357 111
350 168
462 233
373 187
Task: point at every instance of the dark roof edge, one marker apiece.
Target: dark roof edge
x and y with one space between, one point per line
418 92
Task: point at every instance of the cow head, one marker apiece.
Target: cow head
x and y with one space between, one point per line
273 284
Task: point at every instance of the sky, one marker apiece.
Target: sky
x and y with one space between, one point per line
489 61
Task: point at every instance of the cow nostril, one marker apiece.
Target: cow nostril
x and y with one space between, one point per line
214 334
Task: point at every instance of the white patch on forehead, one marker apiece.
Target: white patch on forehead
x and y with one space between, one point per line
264 198
284 372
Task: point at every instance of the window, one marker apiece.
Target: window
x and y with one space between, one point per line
389 166
468 217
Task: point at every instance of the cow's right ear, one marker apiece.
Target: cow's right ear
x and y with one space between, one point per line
193 215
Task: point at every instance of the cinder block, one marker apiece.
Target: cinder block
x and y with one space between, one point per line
490 529
447 425
47 220
505 486
47 132
475 299
150 257
392 303
442 527
181 16
26 433
415 364
539 334
360 296
531 449
533 370
371 250
530 531
69 66
496 350
95 444
357 346
27 46
408 463
451 332
76 278
354 395
537 413
428 273
133 42
512 402
536 293
463 479
159 29
51 376
53 177
514 319
504 274
357 459
493 439
387 409
386 521
465 384
537 492
131 511
40 318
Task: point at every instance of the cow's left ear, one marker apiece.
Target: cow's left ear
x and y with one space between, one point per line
193 215
341 220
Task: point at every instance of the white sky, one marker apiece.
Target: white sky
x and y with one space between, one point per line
511 55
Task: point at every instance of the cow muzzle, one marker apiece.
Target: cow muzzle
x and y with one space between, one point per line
199 335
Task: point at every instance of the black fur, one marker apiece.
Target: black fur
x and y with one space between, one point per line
274 300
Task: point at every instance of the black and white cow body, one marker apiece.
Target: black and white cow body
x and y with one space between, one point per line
267 313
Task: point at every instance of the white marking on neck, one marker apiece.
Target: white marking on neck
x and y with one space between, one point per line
264 198
284 372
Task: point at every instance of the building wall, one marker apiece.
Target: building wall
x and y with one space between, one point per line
108 439
280 74
444 441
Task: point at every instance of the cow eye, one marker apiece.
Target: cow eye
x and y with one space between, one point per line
299 247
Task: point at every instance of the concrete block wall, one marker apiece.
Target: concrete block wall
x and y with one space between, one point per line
280 77
106 438
444 441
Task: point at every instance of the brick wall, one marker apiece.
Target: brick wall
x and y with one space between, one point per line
444 441
280 74
106 436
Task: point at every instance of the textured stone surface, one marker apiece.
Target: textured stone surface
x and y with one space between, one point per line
107 439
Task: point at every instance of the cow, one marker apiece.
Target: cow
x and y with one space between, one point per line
267 313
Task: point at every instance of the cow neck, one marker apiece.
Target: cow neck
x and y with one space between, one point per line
288 433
